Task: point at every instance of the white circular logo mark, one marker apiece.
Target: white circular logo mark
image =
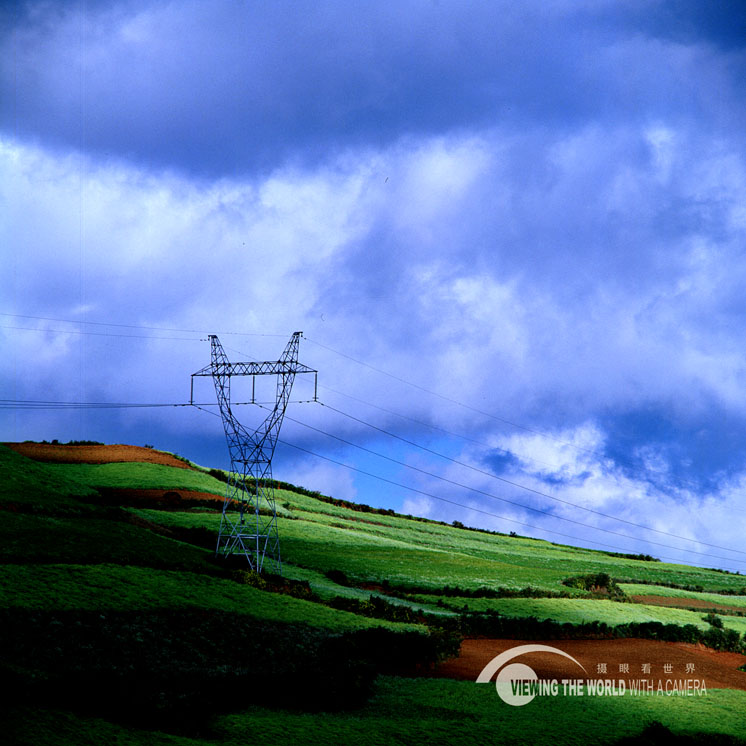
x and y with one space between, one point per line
514 682
509 683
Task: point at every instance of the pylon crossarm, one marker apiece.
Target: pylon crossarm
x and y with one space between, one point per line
254 369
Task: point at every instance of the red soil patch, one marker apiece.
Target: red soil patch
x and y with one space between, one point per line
162 499
718 670
685 603
64 454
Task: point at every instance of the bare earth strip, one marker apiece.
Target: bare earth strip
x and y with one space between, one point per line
165 499
64 454
685 603
718 670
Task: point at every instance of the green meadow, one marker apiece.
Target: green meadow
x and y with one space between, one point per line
119 625
429 711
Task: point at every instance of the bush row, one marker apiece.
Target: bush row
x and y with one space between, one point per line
402 590
494 624
483 592
686 587
379 608
56 442
640 557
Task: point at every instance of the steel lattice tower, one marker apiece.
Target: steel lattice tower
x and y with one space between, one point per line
252 531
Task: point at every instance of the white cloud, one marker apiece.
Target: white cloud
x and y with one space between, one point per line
331 480
518 325
419 506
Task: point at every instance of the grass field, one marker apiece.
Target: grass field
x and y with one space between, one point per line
373 547
113 587
633 589
138 476
412 711
69 556
26 482
450 711
93 538
578 611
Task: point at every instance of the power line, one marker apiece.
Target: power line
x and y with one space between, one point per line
503 479
52 405
130 326
447 398
526 487
519 504
460 436
468 507
479 510
430 425
645 472
30 404
38 404
35 404
96 334
494 476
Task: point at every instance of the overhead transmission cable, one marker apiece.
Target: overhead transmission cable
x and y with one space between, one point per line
523 486
129 326
448 398
468 507
97 334
534 431
467 439
36 404
646 472
514 502
456 503
10 404
51 405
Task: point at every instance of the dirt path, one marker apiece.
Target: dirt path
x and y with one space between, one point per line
718 670
64 454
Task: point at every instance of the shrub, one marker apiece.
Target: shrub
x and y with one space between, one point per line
714 620
218 474
338 577
378 608
600 583
640 557
722 639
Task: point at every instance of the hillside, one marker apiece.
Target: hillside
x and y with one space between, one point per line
118 623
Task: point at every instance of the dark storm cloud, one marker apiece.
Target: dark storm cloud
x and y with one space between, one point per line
721 23
223 87
534 208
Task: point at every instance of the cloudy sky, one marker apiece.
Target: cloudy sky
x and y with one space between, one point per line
513 234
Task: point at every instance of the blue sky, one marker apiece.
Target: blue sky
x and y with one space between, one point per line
533 211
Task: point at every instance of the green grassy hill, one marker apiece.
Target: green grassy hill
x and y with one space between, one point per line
118 624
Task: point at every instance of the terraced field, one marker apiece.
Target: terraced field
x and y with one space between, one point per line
111 598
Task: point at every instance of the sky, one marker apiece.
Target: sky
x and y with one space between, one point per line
513 235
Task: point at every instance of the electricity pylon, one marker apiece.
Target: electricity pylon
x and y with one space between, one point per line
252 530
